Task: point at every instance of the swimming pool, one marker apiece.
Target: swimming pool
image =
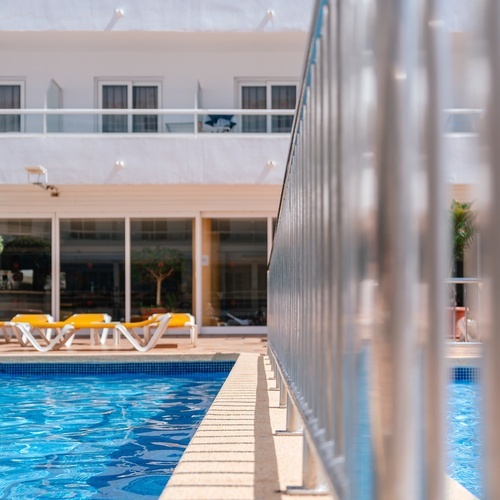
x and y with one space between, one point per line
464 419
99 430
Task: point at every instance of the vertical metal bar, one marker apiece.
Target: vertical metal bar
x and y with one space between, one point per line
128 278
315 246
283 392
328 228
435 249
337 274
307 300
198 275
397 258
491 240
56 268
293 421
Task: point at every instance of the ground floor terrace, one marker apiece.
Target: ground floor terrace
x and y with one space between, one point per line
237 452
131 251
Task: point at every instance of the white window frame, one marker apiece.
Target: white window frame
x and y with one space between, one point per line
262 82
130 83
22 85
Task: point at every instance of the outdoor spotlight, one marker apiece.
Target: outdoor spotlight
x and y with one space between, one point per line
37 175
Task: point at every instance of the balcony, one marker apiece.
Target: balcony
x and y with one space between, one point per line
145 146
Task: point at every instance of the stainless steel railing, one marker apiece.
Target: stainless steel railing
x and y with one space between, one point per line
357 292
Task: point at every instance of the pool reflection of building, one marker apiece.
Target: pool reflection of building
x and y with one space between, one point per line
208 190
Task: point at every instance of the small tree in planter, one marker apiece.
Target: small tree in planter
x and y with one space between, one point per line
156 264
463 226
463 221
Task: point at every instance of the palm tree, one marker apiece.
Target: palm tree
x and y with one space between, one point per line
463 225
463 220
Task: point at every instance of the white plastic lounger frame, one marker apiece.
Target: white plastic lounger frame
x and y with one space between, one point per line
8 332
147 343
178 322
24 334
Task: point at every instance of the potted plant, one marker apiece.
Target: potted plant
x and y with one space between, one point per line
156 264
463 224
463 221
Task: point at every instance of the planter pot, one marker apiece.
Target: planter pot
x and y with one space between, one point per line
455 314
146 312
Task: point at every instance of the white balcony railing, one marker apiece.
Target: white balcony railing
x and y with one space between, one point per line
168 121
191 121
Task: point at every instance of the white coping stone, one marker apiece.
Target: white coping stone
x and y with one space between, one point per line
224 460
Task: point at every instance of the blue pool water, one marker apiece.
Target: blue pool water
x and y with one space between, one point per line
118 435
464 432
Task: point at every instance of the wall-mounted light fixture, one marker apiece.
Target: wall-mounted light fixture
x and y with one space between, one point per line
119 164
271 164
37 175
119 12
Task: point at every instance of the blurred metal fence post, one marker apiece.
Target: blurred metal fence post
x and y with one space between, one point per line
356 273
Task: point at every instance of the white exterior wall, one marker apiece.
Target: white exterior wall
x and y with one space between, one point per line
462 158
150 158
178 71
155 15
162 159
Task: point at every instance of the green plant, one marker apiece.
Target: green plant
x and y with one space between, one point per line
464 227
26 244
156 264
1 244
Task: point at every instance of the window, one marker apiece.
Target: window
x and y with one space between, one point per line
235 274
161 266
129 95
25 267
10 98
92 260
268 95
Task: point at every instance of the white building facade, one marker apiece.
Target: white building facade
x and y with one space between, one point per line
159 124
191 173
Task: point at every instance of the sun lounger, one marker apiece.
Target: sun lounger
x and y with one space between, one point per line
185 321
144 335
25 318
38 331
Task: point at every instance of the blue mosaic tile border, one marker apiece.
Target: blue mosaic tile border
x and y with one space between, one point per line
125 368
465 374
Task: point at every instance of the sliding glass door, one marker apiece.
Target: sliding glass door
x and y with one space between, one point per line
92 257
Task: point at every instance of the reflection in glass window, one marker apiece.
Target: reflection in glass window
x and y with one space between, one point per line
10 98
268 96
25 267
93 267
235 272
162 266
129 95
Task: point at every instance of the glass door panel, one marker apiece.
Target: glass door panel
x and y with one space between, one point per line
162 266
93 267
25 267
234 283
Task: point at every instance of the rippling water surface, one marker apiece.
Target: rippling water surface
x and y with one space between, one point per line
97 436
464 432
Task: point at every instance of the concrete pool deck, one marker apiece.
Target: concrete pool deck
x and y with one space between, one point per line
235 453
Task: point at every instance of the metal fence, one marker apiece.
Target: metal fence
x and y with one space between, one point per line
358 290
